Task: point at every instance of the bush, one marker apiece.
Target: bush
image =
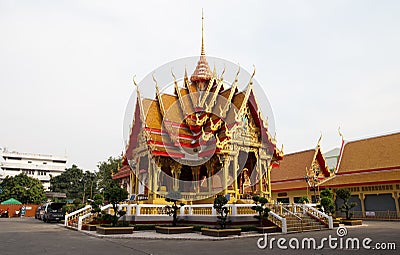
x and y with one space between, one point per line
219 205
261 208
304 199
327 201
173 197
345 195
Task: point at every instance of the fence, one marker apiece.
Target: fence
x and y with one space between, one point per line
30 210
378 215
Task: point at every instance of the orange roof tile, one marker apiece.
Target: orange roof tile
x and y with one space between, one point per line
363 178
172 108
293 166
290 185
152 111
371 153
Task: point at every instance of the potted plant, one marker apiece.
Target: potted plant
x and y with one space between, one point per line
222 211
262 214
114 194
172 210
345 194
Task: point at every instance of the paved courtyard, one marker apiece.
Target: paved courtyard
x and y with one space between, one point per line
30 236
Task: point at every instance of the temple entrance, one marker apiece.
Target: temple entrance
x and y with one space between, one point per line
246 179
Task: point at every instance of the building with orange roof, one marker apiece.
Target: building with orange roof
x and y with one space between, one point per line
298 175
204 139
370 169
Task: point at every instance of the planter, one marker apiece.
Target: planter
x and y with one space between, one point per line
114 230
270 229
352 222
221 232
173 230
91 227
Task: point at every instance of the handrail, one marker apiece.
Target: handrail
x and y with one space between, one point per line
282 220
70 215
81 218
319 214
287 212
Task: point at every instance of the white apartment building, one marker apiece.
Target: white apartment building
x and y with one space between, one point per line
38 166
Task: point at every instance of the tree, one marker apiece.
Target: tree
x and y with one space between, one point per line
26 189
303 199
69 182
106 170
173 197
327 201
261 208
345 194
115 194
219 205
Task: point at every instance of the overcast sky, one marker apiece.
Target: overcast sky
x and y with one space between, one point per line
66 66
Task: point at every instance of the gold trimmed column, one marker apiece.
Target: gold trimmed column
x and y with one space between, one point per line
225 173
395 196
176 172
195 175
235 175
361 196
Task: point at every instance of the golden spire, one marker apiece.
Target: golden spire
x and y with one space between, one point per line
202 33
202 72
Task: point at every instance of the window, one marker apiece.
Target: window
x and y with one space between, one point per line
29 162
44 163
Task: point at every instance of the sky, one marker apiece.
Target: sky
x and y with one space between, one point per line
66 67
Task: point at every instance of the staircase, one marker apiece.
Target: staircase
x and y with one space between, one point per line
300 218
303 222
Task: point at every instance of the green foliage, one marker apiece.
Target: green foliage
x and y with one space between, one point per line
345 195
219 205
261 208
327 201
26 189
106 170
96 203
69 182
304 199
173 197
115 194
77 202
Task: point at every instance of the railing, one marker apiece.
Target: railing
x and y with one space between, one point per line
308 209
295 222
279 221
73 217
281 215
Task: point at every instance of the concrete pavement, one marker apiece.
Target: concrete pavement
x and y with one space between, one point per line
30 236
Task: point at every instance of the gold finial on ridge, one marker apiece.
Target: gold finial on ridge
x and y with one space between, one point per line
319 140
340 134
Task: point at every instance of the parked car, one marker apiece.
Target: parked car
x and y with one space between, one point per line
53 212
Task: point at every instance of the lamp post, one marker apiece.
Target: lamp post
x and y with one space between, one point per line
312 185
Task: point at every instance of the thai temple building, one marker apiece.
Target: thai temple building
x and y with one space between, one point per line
370 169
204 139
298 175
